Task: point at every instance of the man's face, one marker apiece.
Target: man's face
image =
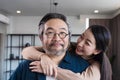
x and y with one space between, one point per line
51 40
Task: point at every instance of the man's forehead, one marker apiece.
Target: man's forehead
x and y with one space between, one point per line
60 28
50 27
56 22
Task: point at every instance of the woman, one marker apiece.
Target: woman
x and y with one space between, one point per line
91 45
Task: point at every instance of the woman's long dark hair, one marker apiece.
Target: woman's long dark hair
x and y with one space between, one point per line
103 39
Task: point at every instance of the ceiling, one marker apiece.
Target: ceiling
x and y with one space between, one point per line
67 7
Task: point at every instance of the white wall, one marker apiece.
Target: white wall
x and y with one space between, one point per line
78 25
29 24
23 24
2 28
2 49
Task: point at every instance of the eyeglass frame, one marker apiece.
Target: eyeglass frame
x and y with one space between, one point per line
54 34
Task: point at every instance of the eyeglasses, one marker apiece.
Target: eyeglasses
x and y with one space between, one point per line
62 35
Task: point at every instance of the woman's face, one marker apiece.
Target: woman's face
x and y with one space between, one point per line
86 44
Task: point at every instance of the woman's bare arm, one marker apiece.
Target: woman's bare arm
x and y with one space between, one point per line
32 53
91 73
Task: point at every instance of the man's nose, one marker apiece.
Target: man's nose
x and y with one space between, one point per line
56 36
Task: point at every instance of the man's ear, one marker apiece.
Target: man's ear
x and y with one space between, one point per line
41 37
97 52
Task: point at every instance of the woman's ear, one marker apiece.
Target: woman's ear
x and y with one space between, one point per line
97 52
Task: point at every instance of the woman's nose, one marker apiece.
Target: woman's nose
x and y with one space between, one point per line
81 43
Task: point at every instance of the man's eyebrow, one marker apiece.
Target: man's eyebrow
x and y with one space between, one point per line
64 29
53 29
50 28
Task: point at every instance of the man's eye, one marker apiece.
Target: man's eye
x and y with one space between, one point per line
62 33
50 32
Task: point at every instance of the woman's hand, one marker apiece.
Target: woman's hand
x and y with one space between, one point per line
35 66
48 66
45 65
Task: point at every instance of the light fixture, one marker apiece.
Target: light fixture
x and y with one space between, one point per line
53 6
96 11
18 11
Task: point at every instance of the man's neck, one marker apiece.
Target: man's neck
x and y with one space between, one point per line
57 58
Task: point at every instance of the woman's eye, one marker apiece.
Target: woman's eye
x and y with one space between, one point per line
88 43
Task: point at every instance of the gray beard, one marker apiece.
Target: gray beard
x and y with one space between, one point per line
55 52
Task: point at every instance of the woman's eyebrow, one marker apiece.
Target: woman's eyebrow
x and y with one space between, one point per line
87 38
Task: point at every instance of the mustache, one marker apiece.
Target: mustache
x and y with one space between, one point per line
52 44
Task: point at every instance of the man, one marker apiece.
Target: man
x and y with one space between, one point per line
55 35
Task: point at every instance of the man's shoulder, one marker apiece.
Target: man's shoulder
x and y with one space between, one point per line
74 57
74 62
23 72
24 64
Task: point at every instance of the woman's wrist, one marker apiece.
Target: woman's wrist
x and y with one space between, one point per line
40 56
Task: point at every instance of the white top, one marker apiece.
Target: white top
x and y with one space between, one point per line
50 78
